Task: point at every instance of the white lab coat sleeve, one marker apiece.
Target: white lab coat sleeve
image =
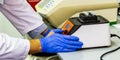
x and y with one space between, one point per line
21 15
13 48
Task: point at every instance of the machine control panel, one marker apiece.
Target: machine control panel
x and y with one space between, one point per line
48 5
74 23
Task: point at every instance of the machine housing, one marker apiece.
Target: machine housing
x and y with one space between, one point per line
93 30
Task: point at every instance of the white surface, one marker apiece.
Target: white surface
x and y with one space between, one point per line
94 35
1 1
119 1
95 53
117 26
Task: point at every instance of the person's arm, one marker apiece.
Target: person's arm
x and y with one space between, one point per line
35 46
55 42
23 17
13 48
16 48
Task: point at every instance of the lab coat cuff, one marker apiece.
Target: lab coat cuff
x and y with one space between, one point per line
27 49
37 31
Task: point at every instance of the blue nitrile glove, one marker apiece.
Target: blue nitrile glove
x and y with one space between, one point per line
54 30
60 43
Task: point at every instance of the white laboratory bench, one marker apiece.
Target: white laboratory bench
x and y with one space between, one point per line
95 53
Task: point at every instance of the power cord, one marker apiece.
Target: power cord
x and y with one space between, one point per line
112 35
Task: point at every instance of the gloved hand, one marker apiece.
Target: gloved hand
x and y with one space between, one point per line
54 30
60 43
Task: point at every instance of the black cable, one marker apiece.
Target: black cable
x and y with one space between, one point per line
101 58
112 35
